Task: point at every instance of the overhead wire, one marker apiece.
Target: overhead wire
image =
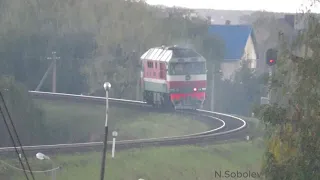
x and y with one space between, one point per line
44 171
14 144
17 136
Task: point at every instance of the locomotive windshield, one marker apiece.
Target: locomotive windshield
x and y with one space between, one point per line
187 68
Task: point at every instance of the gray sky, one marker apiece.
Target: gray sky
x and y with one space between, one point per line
268 5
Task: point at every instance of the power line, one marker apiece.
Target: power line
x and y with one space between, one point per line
44 171
17 136
14 144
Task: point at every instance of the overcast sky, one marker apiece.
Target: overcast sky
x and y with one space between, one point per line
268 5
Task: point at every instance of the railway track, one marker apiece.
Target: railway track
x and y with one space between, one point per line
232 128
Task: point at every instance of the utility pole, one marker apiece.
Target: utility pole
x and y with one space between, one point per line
212 87
135 60
44 77
54 71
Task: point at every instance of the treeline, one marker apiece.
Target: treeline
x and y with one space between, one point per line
100 41
96 41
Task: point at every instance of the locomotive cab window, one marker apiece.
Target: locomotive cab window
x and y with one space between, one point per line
187 68
184 53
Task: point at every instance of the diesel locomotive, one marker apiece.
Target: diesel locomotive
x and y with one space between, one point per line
174 77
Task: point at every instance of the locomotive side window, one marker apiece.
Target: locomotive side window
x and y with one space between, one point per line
150 64
162 75
162 70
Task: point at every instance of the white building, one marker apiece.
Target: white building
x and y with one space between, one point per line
240 45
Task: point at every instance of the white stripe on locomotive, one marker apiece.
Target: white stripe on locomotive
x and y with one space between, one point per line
154 80
198 77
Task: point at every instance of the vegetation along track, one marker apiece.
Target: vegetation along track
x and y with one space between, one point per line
231 128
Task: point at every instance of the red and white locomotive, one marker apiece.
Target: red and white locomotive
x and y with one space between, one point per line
173 77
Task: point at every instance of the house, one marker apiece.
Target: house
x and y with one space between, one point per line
240 45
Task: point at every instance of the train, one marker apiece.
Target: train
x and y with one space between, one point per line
173 77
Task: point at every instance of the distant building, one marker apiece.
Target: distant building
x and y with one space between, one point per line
287 27
240 45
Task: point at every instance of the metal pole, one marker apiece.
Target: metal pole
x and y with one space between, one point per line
54 74
44 77
212 87
54 71
107 87
270 79
270 92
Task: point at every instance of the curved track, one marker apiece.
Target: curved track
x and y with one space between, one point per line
231 127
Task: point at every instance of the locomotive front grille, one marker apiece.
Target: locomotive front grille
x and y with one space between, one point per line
188 100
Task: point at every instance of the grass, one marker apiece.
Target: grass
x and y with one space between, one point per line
256 126
77 122
176 163
256 130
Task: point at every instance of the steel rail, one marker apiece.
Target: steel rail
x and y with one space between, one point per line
225 132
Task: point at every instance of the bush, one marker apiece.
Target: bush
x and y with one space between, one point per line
27 117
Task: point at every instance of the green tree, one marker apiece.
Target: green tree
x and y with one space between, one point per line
240 95
292 119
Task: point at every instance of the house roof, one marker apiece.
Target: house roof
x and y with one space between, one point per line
235 38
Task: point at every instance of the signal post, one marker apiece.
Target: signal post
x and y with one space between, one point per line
271 60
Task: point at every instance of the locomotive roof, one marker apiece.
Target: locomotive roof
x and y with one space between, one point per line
171 53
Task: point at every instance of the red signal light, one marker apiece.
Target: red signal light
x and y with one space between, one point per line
271 56
194 89
271 62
